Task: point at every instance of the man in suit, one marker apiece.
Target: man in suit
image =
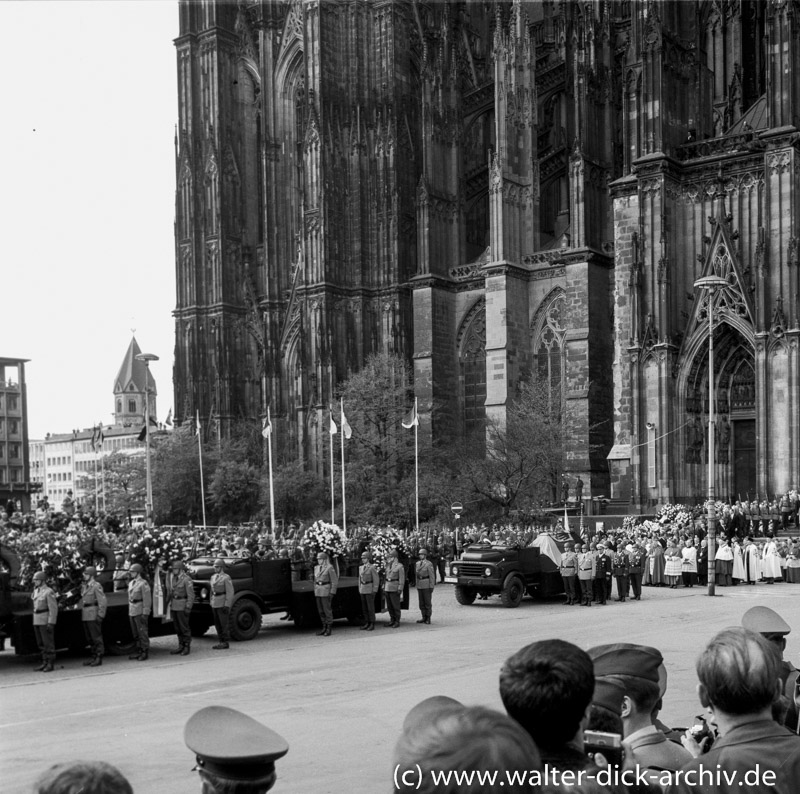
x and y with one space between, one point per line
585 573
395 581
181 600
140 602
426 581
45 615
221 603
569 573
93 610
326 580
369 582
636 668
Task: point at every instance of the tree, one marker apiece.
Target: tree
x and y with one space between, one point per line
122 479
298 493
234 490
522 455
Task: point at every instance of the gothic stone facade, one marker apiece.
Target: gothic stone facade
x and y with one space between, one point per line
499 191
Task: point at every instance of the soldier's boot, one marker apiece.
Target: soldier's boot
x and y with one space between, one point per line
220 646
321 632
40 667
364 627
176 651
421 620
185 650
134 657
90 662
48 668
96 662
328 629
370 627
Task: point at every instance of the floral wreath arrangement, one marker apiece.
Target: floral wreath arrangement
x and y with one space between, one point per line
327 538
156 548
382 541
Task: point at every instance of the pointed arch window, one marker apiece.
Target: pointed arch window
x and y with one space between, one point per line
549 349
472 358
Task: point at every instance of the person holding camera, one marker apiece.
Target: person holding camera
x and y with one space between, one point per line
221 603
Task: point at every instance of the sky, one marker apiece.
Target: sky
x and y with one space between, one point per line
87 179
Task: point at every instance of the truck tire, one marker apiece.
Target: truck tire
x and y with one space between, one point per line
512 592
465 595
244 622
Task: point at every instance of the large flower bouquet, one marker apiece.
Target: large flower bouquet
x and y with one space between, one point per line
381 541
155 548
328 538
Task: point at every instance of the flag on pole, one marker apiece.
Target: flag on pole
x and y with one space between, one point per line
98 438
168 420
347 431
333 429
412 418
197 424
566 521
266 425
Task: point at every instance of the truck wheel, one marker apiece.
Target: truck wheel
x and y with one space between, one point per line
244 621
512 592
465 595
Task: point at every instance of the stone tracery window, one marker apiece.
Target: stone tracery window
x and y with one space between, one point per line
472 355
549 349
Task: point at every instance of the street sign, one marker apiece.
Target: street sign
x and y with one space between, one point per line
457 507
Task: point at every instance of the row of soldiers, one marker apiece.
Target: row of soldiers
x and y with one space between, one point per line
588 574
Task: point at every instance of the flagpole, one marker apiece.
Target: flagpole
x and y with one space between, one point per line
416 460
202 486
102 469
96 489
333 498
271 492
344 503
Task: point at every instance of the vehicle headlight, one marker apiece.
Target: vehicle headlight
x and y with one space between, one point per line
454 570
204 593
487 572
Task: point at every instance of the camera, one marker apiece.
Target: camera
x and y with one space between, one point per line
609 744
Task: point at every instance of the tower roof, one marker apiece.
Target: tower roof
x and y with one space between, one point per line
134 372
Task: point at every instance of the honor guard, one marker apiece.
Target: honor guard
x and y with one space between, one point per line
426 581
395 581
569 573
93 610
221 603
181 600
234 752
326 580
140 603
369 583
45 615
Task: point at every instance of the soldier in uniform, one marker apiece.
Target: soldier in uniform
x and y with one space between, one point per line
773 628
585 573
326 580
569 573
637 559
181 601
140 602
45 615
369 582
602 571
221 603
93 610
395 581
426 581
234 752
120 575
620 571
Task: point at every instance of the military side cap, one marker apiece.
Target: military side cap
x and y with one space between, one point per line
624 658
232 745
764 620
608 694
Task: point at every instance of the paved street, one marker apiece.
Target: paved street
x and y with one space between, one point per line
340 701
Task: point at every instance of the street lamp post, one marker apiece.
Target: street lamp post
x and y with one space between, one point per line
711 284
148 507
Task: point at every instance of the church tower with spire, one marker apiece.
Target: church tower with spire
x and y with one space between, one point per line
134 383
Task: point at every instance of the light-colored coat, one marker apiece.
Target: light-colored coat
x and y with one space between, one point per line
45 606
93 601
395 577
221 591
140 599
369 580
181 592
326 580
426 575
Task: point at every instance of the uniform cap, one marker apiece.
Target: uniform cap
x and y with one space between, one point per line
422 551
764 620
220 561
91 570
39 576
608 694
624 658
136 568
232 745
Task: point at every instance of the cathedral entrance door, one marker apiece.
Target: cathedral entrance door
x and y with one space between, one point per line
744 457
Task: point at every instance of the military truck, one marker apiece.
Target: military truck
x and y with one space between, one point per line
261 587
509 571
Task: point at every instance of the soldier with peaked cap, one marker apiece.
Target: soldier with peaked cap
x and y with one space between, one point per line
426 581
772 627
181 600
234 752
221 603
636 667
45 615
140 602
93 610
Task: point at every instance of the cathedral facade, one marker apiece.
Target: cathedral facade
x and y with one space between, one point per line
499 192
